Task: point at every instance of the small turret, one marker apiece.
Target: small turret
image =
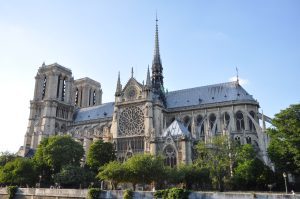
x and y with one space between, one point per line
148 80
119 87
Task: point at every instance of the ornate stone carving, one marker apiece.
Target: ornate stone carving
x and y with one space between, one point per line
131 121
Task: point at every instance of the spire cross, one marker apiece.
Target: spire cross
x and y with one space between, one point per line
131 71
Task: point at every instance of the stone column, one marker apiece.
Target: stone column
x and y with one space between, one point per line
37 88
68 91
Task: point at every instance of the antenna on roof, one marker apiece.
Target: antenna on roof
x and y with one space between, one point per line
237 75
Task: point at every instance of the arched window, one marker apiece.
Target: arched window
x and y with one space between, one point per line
237 139
94 97
200 125
76 97
212 121
187 122
170 156
44 87
240 124
63 92
226 120
248 140
251 125
90 97
58 86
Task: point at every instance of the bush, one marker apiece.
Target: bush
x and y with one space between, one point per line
12 190
94 193
173 193
161 194
177 193
128 194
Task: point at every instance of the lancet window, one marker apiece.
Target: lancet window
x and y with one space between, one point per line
44 87
226 120
240 123
200 125
63 92
212 123
251 125
94 97
170 156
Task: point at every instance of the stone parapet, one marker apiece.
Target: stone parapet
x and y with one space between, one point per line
41 193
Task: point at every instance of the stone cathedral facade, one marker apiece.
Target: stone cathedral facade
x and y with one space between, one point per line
143 118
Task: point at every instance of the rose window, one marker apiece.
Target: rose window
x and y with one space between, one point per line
131 121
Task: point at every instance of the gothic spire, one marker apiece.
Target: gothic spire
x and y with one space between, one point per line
148 80
119 86
156 57
157 69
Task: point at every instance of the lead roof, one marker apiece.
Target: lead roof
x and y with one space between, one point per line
204 95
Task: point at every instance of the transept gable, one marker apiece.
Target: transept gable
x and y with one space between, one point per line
133 89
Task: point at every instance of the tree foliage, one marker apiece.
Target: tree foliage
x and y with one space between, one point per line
114 172
284 148
218 158
144 168
6 157
250 172
99 154
54 153
20 171
58 151
72 176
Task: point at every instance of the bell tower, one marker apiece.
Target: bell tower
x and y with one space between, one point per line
52 107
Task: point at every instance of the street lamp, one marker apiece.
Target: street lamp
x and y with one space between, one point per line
40 176
284 176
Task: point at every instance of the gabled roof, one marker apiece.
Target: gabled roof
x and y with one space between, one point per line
94 112
230 91
132 81
176 128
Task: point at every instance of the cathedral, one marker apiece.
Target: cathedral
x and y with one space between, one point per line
144 118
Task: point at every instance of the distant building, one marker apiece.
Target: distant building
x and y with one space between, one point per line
144 118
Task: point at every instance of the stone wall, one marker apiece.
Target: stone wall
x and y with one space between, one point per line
30 193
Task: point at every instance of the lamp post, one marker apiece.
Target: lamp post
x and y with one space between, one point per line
284 176
40 177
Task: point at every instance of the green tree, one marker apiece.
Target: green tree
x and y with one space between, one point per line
20 171
284 147
55 152
114 172
6 157
218 158
193 176
99 154
250 172
144 168
72 176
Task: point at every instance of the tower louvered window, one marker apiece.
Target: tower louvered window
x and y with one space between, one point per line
44 87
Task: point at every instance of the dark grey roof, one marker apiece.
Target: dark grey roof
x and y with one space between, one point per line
230 91
95 112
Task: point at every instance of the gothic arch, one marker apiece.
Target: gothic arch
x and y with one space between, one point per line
200 125
251 124
240 121
187 122
170 155
213 123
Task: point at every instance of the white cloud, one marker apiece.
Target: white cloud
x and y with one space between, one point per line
241 80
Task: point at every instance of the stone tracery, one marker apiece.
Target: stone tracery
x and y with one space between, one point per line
131 121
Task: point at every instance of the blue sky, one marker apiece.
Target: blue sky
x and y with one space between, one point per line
201 43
